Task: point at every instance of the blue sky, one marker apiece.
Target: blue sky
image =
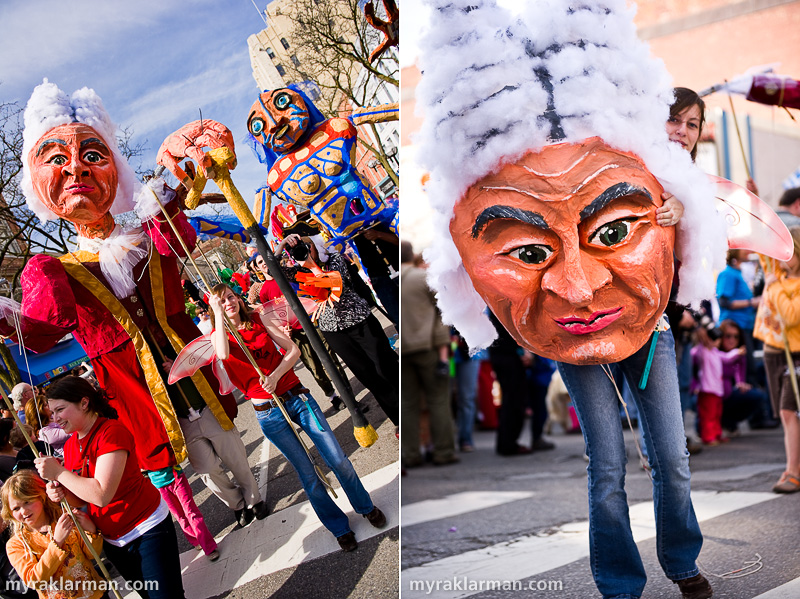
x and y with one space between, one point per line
155 63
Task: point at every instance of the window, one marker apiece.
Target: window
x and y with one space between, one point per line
281 70
285 43
270 53
295 60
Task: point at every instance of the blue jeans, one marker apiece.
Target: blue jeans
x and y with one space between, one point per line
152 557
616 565
279 432
467 380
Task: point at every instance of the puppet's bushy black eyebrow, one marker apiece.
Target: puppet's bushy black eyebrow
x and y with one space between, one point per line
494 212
620 190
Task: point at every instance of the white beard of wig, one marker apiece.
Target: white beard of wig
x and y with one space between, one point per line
495 87
49 107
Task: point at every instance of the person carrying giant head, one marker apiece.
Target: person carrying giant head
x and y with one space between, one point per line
549 158
545 137
120 292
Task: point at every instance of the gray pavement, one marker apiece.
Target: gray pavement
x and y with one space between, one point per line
523 521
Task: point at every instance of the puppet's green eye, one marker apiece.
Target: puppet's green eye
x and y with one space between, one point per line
612 233
532 254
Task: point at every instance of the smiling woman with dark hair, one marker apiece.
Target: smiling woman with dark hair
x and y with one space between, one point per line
687 115
101 472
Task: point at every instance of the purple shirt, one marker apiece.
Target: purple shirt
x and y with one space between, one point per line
710 368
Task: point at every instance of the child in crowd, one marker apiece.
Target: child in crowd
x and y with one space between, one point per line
740 400
709 361
177 493
46 549
39 416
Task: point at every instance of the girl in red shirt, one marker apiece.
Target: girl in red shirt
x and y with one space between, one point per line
279 383
101 471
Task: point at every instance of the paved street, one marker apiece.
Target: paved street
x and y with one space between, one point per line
525 519
290 554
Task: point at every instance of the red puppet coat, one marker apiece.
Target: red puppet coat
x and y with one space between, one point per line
71 295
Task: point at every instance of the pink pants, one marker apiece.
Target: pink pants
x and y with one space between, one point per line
180 501
709 415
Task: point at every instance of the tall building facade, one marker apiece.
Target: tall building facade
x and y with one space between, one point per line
271 52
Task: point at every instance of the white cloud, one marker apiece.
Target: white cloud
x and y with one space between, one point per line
57 33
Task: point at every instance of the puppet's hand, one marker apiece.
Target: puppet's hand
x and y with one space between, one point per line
188 142
670 213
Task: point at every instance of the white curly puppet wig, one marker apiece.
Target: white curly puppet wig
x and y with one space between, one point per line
49 107
495 87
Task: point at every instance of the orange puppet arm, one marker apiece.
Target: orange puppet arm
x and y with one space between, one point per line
189 142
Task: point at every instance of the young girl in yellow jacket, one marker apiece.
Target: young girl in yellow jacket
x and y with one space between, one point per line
777 324
46 550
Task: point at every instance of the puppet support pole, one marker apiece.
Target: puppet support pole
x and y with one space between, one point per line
64 503
363 431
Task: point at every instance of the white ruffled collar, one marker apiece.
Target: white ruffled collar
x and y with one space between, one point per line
119 253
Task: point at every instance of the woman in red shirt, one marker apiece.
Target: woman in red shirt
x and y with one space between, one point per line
279 383
101 471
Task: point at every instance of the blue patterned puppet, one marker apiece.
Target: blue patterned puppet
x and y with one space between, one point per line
311 162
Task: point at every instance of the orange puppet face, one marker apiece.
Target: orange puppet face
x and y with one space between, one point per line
564 248
73 172
278 119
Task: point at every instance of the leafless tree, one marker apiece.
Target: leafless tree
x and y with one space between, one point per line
331 44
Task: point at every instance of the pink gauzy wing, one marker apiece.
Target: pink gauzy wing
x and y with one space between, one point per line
752 224
279 310
194 356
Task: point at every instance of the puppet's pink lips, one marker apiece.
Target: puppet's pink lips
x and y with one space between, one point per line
79 188
584 326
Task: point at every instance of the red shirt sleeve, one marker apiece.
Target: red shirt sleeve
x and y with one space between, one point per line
49 310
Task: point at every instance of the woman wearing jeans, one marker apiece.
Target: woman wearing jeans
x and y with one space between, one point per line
678 536
261 337
101 472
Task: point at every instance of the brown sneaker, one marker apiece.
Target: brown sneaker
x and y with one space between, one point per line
696 587
376 518
348 541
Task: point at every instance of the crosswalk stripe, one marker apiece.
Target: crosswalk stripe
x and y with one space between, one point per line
459 503
284 539
790 590
531 555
